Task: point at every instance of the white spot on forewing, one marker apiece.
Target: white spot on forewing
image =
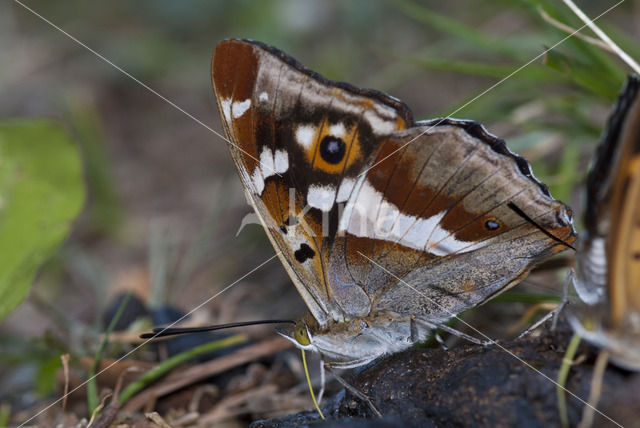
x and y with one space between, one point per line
266 163
369 215
281 161
263 97
240 107
225 104
337 130
305 135
258 181
344 191
269 165
321 197
379 125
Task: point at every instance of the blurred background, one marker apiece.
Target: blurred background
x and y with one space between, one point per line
164 203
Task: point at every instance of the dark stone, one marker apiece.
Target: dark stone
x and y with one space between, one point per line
471 385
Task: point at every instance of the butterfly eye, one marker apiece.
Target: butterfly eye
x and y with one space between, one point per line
491 225
301 335
332 149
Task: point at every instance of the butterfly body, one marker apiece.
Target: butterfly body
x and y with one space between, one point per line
608 271
386 226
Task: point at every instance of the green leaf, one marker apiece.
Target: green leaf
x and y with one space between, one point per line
41 192
477 68
475 38
46 376
103 210
599 81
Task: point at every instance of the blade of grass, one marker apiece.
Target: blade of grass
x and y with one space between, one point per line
563 374
92 384
458 30
477 68
598 81
602 35
168 365
595 60
306 373
569 171
5 414
514 296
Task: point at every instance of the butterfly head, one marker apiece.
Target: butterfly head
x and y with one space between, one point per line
352 343
301 334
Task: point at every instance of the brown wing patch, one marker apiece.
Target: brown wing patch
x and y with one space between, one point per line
234 67
234 72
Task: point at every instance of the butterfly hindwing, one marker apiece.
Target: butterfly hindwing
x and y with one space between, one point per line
449 230
608 260
623 257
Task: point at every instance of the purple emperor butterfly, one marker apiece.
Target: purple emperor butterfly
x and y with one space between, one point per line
608 271
386 226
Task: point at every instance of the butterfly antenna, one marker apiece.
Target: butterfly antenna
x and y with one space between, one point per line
524 215
174 331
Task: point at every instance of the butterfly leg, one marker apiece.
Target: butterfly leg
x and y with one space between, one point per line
434 326
322 381
551 313
415 334
555 312
361 395
571 277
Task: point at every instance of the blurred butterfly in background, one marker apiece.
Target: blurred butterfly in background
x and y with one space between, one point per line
386 226
608 269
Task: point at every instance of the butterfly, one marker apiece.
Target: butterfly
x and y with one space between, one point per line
608 269
386 226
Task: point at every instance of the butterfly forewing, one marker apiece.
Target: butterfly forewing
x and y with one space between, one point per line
299 142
